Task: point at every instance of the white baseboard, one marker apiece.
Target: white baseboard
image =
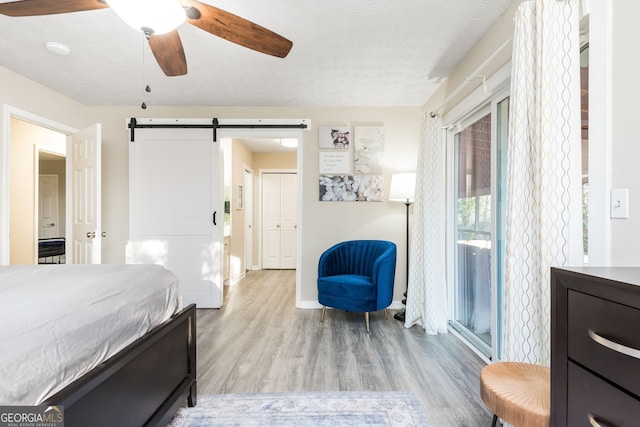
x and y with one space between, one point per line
236 280
308 305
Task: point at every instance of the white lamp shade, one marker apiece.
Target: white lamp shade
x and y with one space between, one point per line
160 16
403 187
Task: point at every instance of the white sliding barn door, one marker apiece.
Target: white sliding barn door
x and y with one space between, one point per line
279 220
84 167
176 219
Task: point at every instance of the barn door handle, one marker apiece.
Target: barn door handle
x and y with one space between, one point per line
214 217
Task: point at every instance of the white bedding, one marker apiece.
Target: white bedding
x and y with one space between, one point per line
57 322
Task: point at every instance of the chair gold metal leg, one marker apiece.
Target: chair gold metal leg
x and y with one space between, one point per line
324 310
366 320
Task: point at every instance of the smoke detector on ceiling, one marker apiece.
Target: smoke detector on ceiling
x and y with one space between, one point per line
58 48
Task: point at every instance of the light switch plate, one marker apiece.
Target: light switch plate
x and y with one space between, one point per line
620 203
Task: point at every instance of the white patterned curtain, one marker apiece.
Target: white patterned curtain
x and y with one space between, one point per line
427 293
544 182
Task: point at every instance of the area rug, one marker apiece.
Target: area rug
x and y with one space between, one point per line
308 409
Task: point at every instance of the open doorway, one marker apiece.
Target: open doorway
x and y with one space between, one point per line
247 157
29 143
18 183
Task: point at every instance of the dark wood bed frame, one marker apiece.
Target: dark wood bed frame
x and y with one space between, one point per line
142 385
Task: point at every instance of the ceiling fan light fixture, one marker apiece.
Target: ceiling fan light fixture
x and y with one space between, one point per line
150 16
289 142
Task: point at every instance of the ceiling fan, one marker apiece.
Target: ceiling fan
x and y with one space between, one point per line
165 43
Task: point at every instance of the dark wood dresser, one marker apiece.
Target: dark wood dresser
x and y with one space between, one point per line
595 346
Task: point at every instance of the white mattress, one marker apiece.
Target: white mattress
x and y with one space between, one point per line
57 322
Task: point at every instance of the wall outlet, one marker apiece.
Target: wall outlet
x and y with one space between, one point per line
620 203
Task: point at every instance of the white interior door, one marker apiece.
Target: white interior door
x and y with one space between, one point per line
84 169
47 206
279 220
248 219
271 220
288 217
176 215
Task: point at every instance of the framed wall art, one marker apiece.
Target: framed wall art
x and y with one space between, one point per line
335 137
240 197
334 162
369 148
351 188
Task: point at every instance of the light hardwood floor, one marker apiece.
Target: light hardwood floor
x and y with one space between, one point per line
259 342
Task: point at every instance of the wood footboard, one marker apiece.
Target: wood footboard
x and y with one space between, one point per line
143 385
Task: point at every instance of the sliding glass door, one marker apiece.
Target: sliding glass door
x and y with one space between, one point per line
479 157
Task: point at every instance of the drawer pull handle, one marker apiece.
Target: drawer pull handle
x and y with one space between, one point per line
612 345
593 421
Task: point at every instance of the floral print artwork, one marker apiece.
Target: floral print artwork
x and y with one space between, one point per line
369 149
351 188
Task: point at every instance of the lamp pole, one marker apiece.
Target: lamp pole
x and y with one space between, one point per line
403 187
402 314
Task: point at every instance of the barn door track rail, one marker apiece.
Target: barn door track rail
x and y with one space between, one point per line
215 124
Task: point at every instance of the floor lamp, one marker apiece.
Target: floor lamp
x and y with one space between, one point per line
403 190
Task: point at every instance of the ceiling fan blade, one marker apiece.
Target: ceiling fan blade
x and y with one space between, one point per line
168 50
236 29
48 7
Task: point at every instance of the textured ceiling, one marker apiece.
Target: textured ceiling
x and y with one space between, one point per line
345 53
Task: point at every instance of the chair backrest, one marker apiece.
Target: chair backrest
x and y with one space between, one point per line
354 257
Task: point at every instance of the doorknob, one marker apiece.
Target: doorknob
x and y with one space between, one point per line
91 234
103 234
51 224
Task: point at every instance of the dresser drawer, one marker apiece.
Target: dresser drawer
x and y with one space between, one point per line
591 396
600 332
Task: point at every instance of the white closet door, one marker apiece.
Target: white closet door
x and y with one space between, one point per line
271 220
175 197
288 215
279 220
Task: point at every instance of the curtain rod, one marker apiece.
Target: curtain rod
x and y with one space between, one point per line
474 75
215 125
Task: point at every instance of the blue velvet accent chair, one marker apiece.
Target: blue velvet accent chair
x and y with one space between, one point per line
357 275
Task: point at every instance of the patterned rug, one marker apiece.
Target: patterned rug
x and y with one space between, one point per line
308 409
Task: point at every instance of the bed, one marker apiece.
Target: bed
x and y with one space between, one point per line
112 344
51 250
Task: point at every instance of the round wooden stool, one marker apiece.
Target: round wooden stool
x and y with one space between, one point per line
518 393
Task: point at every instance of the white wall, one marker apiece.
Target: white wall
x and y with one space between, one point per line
323 223
625 135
